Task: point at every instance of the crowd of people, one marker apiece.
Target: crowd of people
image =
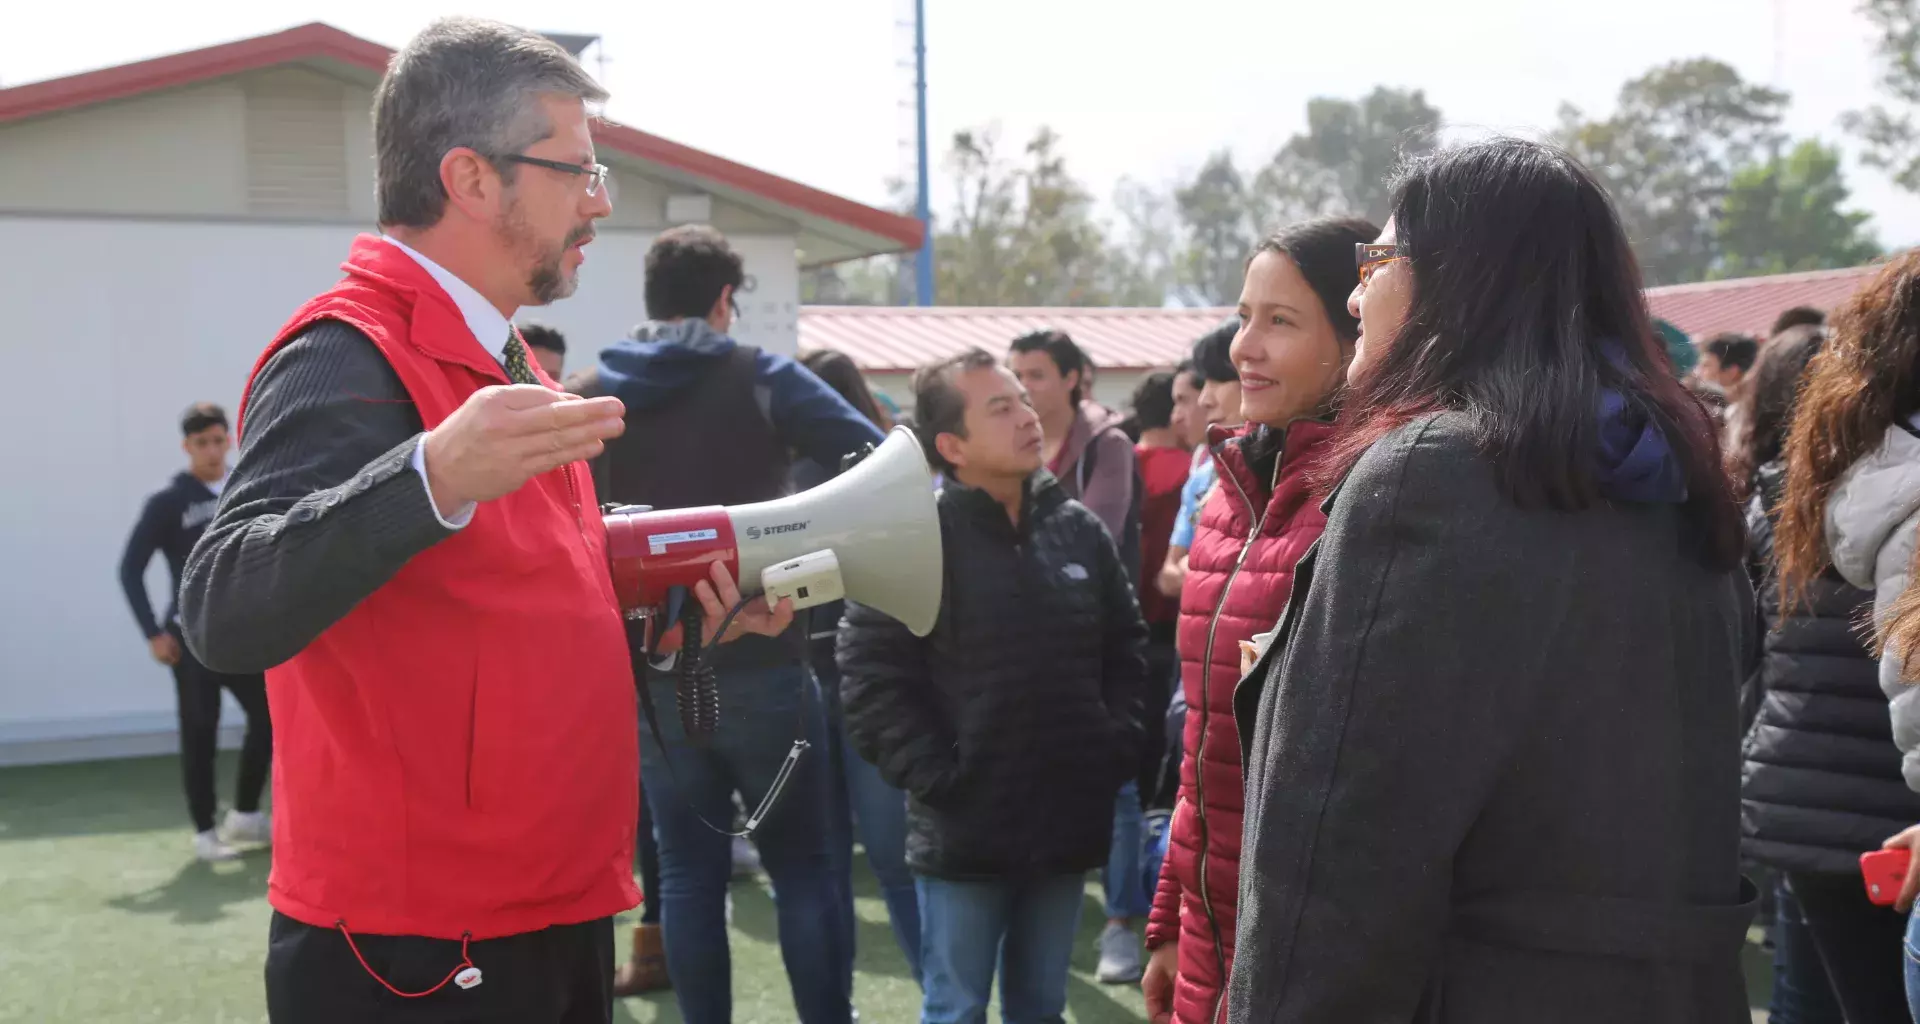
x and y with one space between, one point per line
1438 643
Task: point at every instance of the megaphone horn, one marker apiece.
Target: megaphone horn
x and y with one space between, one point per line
871 535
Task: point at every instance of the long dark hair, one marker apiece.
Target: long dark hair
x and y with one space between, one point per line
1526 308
1865 379
843 376
1767 406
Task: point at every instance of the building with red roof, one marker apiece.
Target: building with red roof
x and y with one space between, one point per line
159 220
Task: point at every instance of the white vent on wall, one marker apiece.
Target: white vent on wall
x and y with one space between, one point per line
296 145
694 208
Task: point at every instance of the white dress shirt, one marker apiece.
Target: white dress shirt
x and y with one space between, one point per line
490 328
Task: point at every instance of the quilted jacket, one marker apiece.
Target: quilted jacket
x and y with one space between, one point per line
1012 726
1252 531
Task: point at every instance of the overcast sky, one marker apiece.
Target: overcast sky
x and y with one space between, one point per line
821 90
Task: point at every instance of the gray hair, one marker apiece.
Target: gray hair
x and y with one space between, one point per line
463 82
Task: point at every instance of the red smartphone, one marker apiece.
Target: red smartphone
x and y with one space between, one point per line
1885 871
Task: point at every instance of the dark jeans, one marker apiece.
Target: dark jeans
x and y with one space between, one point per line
1023 931
1801 993
560 975
1857 944
759 711
197 690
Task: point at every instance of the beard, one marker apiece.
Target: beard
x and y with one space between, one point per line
547 278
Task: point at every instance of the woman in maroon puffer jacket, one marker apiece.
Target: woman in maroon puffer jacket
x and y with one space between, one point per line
1291 354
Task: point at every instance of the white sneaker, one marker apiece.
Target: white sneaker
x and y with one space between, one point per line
248 828
208 847
746 859
1119 956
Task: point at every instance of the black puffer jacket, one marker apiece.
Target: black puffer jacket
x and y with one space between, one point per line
1013 724
1821 783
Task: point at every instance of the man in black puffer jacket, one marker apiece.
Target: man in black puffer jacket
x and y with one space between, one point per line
1014 724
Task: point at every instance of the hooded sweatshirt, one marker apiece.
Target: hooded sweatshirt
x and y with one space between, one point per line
662 358
1871 518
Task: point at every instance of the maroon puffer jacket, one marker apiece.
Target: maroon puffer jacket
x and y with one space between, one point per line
1239 570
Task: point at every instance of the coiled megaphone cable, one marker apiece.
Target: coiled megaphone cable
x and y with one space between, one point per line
697 692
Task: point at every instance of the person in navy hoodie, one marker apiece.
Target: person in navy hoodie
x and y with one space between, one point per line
711 421
170 522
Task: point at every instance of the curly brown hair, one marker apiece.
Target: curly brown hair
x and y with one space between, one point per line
1865 379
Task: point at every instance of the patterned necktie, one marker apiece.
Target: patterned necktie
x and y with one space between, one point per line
519 368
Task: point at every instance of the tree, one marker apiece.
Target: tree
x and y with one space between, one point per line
873 281
1143 246
1344 162
1888 133
1785 215
1215 209
1669 153
1024 235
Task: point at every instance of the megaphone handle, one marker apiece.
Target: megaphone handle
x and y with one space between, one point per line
698 689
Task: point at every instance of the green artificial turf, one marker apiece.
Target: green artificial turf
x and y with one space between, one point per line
106 918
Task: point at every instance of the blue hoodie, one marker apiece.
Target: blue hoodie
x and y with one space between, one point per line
662 359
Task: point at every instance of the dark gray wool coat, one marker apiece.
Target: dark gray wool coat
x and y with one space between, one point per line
1492 762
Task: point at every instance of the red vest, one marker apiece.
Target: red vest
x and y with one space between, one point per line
459 753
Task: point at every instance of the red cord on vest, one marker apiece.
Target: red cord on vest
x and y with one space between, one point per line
465 962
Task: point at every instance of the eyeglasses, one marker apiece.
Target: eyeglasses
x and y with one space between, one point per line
1371 256
596 173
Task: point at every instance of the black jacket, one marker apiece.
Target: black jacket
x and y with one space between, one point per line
1491 762
1013 724
322 509
1822 782
170 523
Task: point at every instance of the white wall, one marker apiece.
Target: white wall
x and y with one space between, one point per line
115 326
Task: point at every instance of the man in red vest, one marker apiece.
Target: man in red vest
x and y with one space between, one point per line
411 548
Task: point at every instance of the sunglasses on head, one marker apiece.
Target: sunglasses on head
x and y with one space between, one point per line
1371 256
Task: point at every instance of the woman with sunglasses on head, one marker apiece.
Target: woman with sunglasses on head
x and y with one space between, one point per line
1492 754
1288 356
1853 503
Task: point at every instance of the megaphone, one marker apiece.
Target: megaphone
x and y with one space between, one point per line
871 535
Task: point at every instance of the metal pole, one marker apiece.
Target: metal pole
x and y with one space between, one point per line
923 276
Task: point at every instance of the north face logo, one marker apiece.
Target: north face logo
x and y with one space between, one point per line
1075 571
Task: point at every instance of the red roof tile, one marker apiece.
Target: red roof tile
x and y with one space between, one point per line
900 339
1749 304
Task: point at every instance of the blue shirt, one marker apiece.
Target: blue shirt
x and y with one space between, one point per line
1192 497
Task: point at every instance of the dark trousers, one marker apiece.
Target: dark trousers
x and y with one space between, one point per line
197 689
559 975
649 850
1858 945
1163 678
